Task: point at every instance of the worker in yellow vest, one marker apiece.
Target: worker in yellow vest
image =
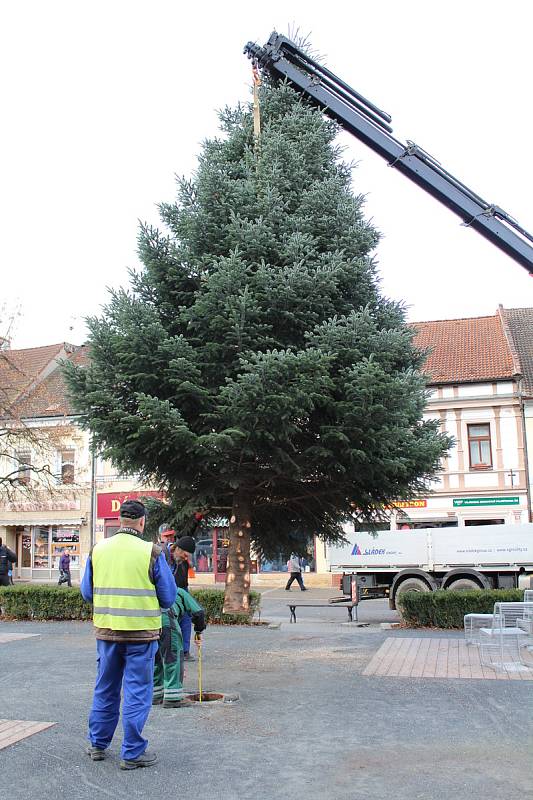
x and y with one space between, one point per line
128 581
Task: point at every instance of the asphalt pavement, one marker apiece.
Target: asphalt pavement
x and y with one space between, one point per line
308 723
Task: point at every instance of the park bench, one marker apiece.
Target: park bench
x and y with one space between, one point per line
331 604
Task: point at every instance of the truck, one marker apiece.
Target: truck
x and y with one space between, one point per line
388 563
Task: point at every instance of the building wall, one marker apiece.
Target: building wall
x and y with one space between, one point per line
40 519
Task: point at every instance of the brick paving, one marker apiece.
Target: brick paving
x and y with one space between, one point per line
13 730
409 657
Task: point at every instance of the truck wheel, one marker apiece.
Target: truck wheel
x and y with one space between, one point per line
411 585
463 585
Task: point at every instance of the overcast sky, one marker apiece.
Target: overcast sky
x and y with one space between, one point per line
103 102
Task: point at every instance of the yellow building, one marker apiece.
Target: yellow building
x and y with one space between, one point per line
45 463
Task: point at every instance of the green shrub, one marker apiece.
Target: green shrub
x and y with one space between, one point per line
42 601
37 601
212 601
446 609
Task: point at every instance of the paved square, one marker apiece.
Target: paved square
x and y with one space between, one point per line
12 637
13 730
409 657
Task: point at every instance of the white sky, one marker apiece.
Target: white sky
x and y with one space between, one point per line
104 101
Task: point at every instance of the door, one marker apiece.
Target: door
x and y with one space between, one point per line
220 553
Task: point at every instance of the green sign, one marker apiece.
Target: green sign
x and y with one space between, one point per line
465 502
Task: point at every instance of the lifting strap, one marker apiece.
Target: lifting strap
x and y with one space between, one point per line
257 111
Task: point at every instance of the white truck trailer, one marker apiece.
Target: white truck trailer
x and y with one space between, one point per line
390 562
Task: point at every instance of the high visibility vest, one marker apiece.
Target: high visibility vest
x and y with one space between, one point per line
124 598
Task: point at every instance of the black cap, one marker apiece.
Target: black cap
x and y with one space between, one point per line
187 543
132 509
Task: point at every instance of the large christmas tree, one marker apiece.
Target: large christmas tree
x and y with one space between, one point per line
253 368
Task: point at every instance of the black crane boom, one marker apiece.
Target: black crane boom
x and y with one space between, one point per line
368 123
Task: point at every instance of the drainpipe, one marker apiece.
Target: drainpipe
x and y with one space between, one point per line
524 445
93 495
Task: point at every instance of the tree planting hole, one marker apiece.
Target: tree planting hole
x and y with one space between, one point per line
207 697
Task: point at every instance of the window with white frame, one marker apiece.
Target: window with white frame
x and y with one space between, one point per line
23 461
479 446
67 466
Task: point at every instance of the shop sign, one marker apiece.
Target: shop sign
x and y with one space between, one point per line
65 535
108 503
44 505
410 504
472 502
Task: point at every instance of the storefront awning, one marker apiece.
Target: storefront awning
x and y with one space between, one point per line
62 523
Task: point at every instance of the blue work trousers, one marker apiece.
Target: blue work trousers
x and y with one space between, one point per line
186 626
130 667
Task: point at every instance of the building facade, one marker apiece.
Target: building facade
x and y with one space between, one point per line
45 464
519 327
476 386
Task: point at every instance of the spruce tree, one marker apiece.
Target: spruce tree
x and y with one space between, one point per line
253 368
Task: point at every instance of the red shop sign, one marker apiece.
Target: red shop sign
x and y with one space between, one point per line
108 503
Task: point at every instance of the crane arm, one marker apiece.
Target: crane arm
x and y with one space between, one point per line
354 113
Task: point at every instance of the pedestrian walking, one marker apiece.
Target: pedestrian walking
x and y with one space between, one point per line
64 569
182 552
294 567
7 559
168 673
128 581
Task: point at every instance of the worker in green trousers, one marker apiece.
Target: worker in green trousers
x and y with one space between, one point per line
168 671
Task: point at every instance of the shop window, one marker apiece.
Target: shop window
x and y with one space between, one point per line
23 459
484 522
429 523
479 446
65 539
67 466
111 527
41 544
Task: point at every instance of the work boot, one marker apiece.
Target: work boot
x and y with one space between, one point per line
96 753
188 657
183 703
147 759
157 701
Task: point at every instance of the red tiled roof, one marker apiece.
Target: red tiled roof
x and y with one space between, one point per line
520 327
465 350
37 387
20 368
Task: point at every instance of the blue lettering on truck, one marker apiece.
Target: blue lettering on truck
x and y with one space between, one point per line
369 551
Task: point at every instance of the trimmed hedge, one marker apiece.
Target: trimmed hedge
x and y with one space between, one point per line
446 609
42 601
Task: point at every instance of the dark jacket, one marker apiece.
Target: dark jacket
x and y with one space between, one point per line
64 563
7 557
181 574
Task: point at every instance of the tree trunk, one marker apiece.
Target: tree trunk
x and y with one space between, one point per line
237 595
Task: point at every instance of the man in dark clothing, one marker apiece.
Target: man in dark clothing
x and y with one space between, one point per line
64 569
7 558
182 552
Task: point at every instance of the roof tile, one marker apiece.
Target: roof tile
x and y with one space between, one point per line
465 350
